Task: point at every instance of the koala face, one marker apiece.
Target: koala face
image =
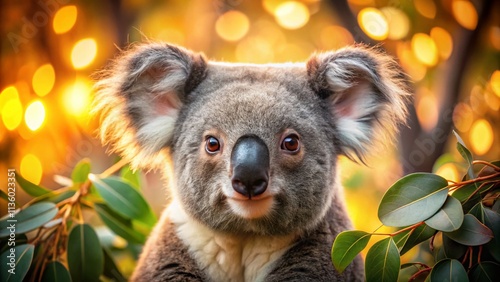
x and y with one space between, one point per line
254 148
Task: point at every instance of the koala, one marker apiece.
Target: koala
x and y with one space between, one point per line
250 153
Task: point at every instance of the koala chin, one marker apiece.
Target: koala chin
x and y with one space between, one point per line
250 153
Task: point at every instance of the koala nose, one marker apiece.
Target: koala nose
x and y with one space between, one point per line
250 166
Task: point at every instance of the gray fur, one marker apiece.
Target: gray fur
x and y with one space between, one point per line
159 100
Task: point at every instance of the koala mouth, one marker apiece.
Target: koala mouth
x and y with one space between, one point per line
251 208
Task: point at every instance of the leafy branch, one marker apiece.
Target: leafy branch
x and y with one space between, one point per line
52 240
464 216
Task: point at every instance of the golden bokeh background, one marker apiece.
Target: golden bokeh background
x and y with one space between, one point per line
50 48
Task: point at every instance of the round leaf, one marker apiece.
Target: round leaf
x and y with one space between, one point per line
449 270
347 246
449 217
412 199
485 272
85 258
382 262
56 272
452 249
81 171
119 225
122 198
471 233
16 270
29 218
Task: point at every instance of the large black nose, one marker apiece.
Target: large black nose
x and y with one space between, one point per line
250 166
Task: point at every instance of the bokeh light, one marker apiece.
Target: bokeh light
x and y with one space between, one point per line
463 117
64 19
426 8
83 53
465 13
31 168
76 98
449 172
373 23
424 48
410 64
398 22
334 37
34 116
43 80
292 15
427 109
495 82
443 41
232 25
12 109
481 136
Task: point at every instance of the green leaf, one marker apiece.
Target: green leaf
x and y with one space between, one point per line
81 171
119 225
134 177
401 239
409 269
123 199
452 249
31 188
448 270
7 244
20 263
471 233
465 192
485 272
449 217
29 218
85 258
412 199
382 262
466 154
55 272
420 234
55 197
492 221
347 246
110 269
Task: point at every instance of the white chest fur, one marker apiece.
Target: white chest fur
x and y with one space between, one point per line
228 258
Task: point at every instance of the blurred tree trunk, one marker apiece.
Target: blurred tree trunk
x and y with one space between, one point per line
419 148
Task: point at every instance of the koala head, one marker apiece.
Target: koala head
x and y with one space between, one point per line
254 147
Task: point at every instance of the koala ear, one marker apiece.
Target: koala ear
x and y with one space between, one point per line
139 97
366 93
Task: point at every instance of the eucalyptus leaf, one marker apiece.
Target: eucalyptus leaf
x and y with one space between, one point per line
81 171
471 233
56 272
463 193
420 234
7 244
412 199
448 270
16 269
31 188
134 177
452 249
492 221
382 262
28 219
485 272
110 269
85 258
124 199
401 238
119 225
449 217
347 246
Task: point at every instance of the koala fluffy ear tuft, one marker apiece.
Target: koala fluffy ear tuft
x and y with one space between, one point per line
366 93
139 96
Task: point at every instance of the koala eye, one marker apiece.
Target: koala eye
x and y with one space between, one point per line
291 143
212 145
